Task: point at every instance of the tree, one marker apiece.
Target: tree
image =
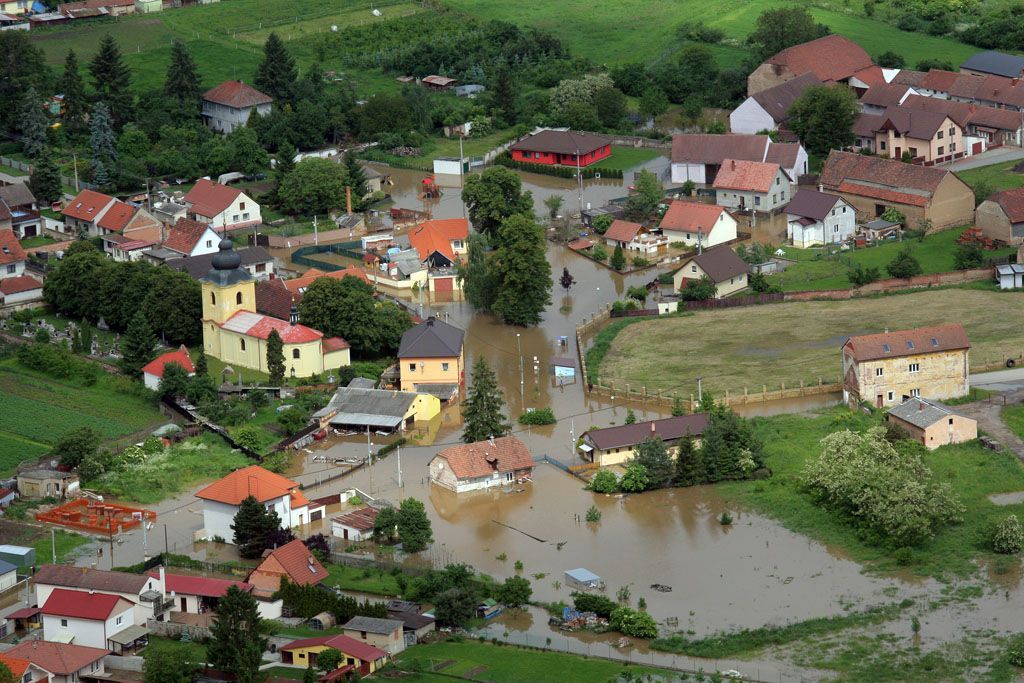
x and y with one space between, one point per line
578 94
482 413
1008 536
618 259
611 106
729 449
175 381
24 66
554 204
968 256
823 117
275 358
34 123
891 60
689 463
652 454
310 675
182 84
630 416
904 265
521 272
643 202
101 139
385 525
653 102
604 482
893 215
356 178
515 592
777 29
252 526
236 637
677 406
45 179
6 676
860 276
201 363
413 526
292 420
314 186
284 160
503 94
567 280
112 80
492 197
635 479
177 665
76 445
478 278
320 546
698 290
137 345
345 308
455 607
133 147
75 105
633 623
276 75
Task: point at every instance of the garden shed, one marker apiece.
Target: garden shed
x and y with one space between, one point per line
583 578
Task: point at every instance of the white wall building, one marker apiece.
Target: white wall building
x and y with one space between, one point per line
815 218
89 619
230 104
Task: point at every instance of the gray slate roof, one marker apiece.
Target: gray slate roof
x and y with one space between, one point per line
372 625
811 204
997 63
198 266
432 338
368 407
921 412
6 567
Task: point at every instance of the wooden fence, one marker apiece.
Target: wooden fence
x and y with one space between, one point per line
626 391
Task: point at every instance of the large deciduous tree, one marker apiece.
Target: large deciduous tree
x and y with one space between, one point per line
112 80
482 413
345 308
777 29
493 196
314 186
643 202
276 74
237 642
823 117
413 526
521 272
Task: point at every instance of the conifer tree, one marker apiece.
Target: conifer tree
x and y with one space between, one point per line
253 527
236 636
276 74
201 363
112 80
182 85
482 413
275 358
45 178
34 123
101 135
689 463
75 104
356 178
137 345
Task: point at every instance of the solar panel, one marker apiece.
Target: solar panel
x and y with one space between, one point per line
935 342
910 344
885 348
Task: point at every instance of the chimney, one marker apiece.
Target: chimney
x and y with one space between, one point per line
652 426
490 439
348 200
430 321
821 188
920 406
293 315
163 580
733 164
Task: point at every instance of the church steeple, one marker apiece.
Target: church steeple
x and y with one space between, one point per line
227 287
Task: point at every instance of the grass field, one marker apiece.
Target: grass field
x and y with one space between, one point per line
625 158
788 342
972 471
1013 416
507 664
632 30
65 543
996 177
363 580
813 271
36 410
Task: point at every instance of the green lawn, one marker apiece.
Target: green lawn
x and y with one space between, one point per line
508 664
367 580
631 30
815 269
995 177
195 652
625 158
37 241
789 342
1013 416
38 537
973 472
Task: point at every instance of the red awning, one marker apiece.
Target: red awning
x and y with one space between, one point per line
24 613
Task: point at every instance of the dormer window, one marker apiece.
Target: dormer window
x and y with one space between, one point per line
910 344
885 348
935 342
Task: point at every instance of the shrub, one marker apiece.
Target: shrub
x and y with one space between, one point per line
598 604
593 514
904 265
1008 537
725 519
640 262
633 623
599 253
538 416
860 276
604 482
1015 652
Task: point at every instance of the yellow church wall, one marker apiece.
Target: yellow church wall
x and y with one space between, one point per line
220 303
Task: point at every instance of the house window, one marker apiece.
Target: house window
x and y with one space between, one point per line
835 228
209 243
952 147
950 421
693 269
412 366
444 367
295 353
952 132
457 244
241 206
778 180
783 195
890 396
213 299
881 145
245 216
118 621
260 267
11 268
773 199
238 298
879 372
915 367
243 344
939 135
688 236
63 622
757 201
916 393
833 212
234 219
942 150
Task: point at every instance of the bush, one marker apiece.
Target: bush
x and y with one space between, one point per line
505 159
632 623
1015 652
538 416
640 262
1008 537
593 514
599 253
860 276
598 604
604 482
904 266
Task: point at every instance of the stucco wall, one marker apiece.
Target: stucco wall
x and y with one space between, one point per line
939 376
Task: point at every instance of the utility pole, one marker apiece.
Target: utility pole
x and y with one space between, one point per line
399 465
579 180
522 383
53 544
700 389
316 237
75 157
145 540
369 456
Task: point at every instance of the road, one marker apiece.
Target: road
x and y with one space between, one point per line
994 156
1000 380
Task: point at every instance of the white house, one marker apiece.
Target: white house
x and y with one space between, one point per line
89 619
8 575
752 185
191 238
12 256
221 207
633 237
767 109
153 371
64 662
695 223
230 104
145 593
356 525
222 498
481 465
198 594
700 157
818 218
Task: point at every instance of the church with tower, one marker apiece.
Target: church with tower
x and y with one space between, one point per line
236 334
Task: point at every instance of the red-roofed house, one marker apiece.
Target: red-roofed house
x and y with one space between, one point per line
361 656
832 59
153 371
64 662
696 223
198 594
752 185
126 230
12 256
1000 217
192 238
633 237
222 498
481 465
90 619
83 212
440 242
356 525
20 290
293 561
221 207
24 671
230 104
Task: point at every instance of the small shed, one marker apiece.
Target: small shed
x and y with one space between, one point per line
1010 276
323 621
451 166
19 556
564 368
583 578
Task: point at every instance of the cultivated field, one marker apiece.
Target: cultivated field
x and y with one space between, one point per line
789 342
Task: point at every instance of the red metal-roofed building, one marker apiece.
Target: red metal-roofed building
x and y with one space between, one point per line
482 465
230 104
153 371
221 207
90 619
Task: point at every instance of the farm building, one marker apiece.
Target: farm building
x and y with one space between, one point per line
932 424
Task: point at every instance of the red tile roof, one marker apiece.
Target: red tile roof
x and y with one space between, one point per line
260 326
831 58
293 560
254 481
10 248
745 176
87 205
156 366
887 179
701 148
622 231
870 76
117 217
939 80
209 199
19 284
965 113
83 605
883 193
885 94
199 585
335 344
1011 201
60 659
274 299
920 340
17 666
346 644
579 244
691 217
483 458
185 235
236 94
361 519
298 285
437 235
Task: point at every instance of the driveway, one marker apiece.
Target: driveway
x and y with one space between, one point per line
988 413
993 156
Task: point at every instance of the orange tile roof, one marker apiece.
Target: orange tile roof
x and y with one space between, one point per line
870 75
260 326
883 193
253 481
293 560
60 659
437 235
483 458
184 236
334 344
691 217
209 198
87 205
745 176
156 366
117 217
298 285
237 95
920 340
831 58
1011 201
622 231
10 247
17 665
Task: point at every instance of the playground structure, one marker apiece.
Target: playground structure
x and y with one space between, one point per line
96 517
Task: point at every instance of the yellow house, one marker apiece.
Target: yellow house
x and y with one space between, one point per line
889 368
431 359
237 335
727 270
361 406
362 657
616 445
